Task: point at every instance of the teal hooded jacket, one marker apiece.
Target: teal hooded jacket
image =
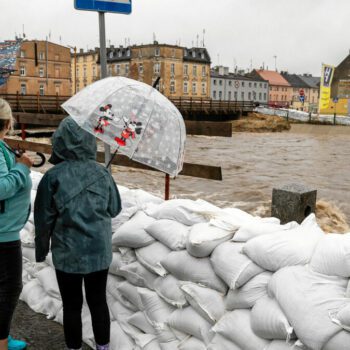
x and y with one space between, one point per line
75 202
15 186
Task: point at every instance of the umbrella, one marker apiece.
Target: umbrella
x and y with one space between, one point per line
134 119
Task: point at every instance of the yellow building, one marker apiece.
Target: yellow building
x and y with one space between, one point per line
42 68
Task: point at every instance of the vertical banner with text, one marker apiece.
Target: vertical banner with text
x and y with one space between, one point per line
325 88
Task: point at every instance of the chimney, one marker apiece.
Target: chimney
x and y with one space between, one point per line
81 51
111 47
226 70
221 70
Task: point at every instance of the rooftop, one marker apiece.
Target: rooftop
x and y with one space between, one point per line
273 77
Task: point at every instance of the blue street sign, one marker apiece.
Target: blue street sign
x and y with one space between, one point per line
335 99
116 6
302 99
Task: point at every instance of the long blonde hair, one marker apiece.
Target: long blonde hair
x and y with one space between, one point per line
6 113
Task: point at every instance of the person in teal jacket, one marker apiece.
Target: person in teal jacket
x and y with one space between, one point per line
15 187
75 202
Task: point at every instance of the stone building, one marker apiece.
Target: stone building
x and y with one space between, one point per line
42 68
226 86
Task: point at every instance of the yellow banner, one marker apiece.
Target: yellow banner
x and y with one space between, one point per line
326 82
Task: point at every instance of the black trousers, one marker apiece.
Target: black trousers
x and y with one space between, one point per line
10 283
71 286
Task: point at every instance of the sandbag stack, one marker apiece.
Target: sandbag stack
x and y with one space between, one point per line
189 275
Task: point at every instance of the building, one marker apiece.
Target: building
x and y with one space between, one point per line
184 72
314 89
227 86
42 68
85 64
281 91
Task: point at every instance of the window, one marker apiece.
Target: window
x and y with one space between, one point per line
41 55
204 71
214 82
242 94
57 89
57 72
185 87
84 72
204 88
214 95
23 89
110 55
93 72
127 69
77 72
173 53
172 69
260 96
220 95
220 82
230 83
120 53
141 68
193 53
85 58
254 95
185 53
260 85
202 56
194 88
41 90
23 54
242 83
229 95
22 71
117 69
195 71
265 86
265 96
41 72
249 95
255 85
57 57
157 52
186 69
236 95
250 84
172 87
156 68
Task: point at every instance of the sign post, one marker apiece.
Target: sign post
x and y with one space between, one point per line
102 6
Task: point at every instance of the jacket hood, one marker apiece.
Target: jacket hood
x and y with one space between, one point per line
71 142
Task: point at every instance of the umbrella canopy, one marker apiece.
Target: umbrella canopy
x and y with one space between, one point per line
133 118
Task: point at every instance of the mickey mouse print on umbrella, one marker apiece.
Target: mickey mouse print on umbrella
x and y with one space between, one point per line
134 119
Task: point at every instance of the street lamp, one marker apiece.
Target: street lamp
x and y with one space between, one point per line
75 67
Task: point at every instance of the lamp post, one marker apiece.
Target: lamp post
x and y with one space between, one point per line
75 67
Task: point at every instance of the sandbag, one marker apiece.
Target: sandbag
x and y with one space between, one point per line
205 301
332 255
234 267
151 256
139 321
28 253
187 320
171 233
168 289
230 219
117 262
280 345
246 296
203 238
342 317
188 268
132 234
347 294
236 327
129 292
268 320
192 344
257 228
119 340
340 341
221 343
138 275
36 178
47 278
306 298
186 211
287 248
173 345
27 234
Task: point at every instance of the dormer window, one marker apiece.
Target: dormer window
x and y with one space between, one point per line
202 55
185 53
128 52
111 54
120 53
157 52
193 53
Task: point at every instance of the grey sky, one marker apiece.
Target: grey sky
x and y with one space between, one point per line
302 33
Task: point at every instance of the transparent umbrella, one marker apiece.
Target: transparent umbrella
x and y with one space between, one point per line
134 119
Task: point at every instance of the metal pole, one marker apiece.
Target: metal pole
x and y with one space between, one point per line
103 62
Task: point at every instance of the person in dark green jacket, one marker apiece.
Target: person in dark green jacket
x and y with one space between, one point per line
75 202
15 186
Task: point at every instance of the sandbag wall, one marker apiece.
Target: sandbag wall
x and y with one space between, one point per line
189 275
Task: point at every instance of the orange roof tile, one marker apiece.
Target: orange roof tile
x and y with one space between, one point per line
273 77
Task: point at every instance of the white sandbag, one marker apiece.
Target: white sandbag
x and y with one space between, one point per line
347 294
157 312
125 215
236 327
230 219
28 253
187 320
113 283
129 292
280 345
234 267
306 298
139 321
153 345
340 341
257 228
151 256
143 341
342 317
332 255
221 343
48 280
268 320
186 211
49 260
132 234
286 248
117 263
173 345
205 301
168 288
192 344
118 339
204 238
138 275
27 235
171 233
188 268
246 296
36 178
33 268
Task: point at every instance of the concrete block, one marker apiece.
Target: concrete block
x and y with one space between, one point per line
293 202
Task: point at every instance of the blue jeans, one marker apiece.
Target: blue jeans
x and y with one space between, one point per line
10 283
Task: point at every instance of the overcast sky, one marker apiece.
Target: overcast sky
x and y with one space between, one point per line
301 33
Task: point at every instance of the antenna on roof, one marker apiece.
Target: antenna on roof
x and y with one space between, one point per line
60 39
197 40
50 35
203 38
23 31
